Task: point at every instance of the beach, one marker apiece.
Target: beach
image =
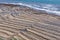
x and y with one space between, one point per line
24 23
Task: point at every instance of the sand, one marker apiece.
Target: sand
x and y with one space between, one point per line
23 23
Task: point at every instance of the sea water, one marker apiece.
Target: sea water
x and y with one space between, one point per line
50 6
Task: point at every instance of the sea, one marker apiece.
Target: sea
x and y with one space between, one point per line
50 6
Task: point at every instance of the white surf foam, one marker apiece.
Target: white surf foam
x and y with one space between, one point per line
50 9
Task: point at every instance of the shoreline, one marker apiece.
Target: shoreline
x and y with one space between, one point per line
56 13
24 23
26 9
13 5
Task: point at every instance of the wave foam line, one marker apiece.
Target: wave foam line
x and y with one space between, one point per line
34 7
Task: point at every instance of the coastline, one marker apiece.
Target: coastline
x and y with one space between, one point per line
26 7
17 21
48 8
27 10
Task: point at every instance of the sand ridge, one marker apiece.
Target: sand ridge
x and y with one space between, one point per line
23 23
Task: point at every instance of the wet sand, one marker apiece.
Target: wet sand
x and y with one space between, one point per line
24 23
